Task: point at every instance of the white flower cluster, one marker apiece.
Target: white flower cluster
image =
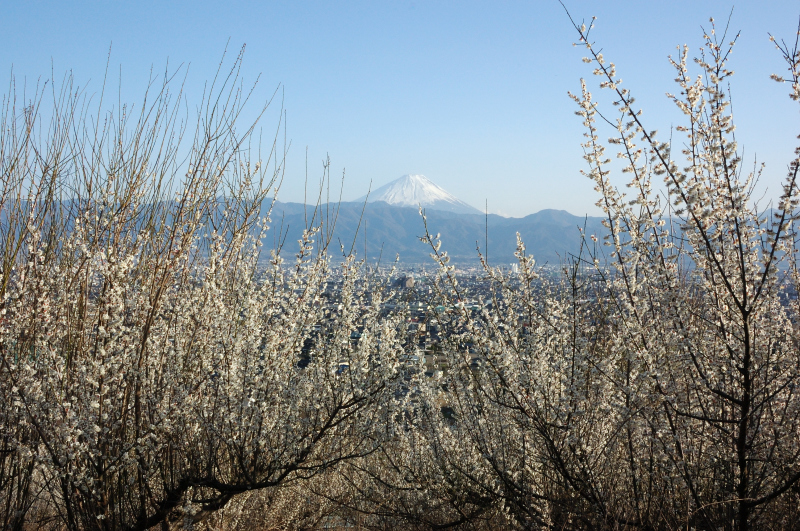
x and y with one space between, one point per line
153 363
158 367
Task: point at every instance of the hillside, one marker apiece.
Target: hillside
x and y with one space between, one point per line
549 234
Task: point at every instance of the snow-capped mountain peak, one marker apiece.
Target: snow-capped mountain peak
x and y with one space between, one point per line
418 190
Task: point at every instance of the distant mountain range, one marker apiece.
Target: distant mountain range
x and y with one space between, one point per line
391 225
386 230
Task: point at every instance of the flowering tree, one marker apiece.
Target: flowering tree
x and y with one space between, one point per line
702 327
655 385
153 364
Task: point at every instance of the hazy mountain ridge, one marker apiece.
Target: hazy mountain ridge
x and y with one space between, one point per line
549 235
391 224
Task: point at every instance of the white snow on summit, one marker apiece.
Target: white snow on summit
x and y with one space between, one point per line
416 190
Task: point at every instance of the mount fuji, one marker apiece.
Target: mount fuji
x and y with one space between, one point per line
418 190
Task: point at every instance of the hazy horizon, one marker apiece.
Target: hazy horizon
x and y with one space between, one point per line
474 96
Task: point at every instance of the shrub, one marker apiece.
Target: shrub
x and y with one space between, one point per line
153 363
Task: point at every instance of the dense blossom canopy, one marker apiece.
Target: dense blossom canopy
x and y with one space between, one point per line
159 367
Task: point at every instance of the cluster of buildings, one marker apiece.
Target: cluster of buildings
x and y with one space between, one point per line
418 293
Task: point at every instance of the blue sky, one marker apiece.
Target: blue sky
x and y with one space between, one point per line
471 94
